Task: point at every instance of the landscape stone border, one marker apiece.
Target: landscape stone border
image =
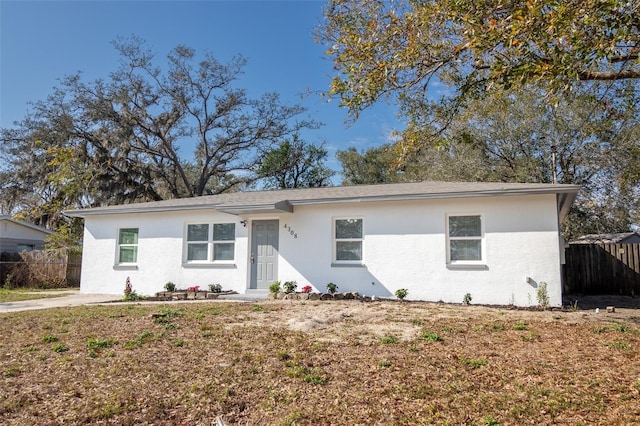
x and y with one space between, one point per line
190 295
354 295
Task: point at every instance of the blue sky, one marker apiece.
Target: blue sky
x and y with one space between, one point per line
42 41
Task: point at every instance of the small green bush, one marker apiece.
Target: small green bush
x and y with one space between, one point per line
216 288
543 295
132 297
401 293
332 288
275 287
290 286
467 299
169 286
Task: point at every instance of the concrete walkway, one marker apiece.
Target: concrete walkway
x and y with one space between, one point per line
72 299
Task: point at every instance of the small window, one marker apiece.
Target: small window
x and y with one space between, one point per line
198 242
224 235
210 242
465 239
348 240
128 245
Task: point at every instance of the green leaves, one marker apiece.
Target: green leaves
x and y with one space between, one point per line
295 164
392 48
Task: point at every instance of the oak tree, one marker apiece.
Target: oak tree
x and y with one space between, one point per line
295 164
148 131
404 48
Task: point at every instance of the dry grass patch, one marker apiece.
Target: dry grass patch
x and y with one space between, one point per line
317 363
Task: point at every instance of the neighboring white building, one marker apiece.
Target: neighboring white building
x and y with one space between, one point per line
440 241
17 236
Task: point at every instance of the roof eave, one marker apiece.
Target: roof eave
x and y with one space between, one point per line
127 209
279 207
28 225
573 189
565 200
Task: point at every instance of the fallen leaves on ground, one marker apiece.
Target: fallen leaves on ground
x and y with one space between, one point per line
341 362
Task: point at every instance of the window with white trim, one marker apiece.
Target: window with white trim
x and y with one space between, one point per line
465 239
127 245
210 242
348 239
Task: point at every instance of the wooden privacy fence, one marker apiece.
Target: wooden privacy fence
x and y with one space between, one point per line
602 269
40 269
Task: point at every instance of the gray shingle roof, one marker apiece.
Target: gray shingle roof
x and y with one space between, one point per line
286 199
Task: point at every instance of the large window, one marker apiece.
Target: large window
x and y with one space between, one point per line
348 240
465 239
128 245
210 242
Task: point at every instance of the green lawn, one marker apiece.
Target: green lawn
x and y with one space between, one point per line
30 294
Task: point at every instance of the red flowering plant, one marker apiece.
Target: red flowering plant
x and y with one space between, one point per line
306 289
194 288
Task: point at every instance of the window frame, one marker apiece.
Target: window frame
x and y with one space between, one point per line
120 245
215 242
210 242
200 242
335 240
483 252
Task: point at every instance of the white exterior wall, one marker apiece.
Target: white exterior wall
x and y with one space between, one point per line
404 247
160 254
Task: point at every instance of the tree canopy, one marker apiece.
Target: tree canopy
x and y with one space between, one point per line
294 164
406 48
516 136
489 88
146 132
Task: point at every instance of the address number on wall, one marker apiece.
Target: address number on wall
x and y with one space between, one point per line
293 233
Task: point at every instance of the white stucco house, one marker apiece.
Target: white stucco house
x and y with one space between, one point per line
440 241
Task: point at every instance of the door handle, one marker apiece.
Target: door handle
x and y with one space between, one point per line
252 258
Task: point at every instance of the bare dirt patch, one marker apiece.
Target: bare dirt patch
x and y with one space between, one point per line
340 362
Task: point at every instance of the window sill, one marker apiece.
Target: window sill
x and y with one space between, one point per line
125 267
347 265
467 267
209 265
